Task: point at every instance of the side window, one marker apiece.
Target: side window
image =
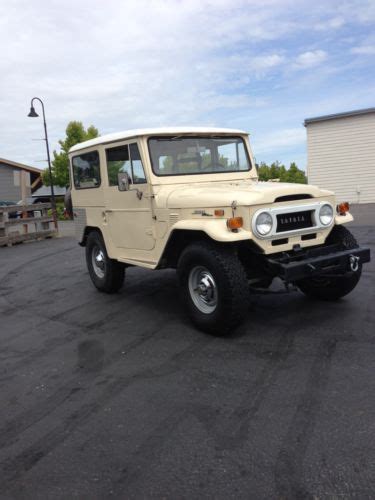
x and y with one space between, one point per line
86 170
138 171
118 161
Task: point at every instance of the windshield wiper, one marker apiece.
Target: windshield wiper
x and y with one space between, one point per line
176 138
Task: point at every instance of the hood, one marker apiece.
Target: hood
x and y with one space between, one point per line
223 194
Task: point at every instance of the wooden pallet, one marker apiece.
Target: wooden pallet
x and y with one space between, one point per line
25 227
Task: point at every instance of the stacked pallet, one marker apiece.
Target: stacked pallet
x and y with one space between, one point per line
19 223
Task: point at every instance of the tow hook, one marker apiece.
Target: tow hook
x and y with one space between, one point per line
354 262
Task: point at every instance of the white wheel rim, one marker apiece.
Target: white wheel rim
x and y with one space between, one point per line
203 289
98 261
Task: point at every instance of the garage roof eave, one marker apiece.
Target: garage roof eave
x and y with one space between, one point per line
338 115
21 166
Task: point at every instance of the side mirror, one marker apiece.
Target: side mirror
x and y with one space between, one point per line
123 181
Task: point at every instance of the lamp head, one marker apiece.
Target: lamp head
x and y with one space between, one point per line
33 113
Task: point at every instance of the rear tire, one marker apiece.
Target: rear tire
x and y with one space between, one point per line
106 274
68 204
214 287
336 287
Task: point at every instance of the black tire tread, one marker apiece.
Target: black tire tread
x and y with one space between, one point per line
115 274
341 234
234 296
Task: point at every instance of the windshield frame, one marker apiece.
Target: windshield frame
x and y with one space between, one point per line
199 136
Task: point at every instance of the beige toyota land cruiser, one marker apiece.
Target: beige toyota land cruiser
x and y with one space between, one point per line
190 199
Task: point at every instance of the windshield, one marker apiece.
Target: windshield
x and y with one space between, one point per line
184 155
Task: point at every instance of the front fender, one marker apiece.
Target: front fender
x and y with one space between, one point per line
215 229
343 219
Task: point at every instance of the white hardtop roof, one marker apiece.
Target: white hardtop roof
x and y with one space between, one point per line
126 134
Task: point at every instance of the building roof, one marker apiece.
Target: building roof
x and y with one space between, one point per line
346 114
127 134
45 191
20 165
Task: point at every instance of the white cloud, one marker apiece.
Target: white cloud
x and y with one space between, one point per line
263 63
139 63
134 63
364 11
311 58
363 50
333 23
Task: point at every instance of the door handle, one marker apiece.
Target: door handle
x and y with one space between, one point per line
138 193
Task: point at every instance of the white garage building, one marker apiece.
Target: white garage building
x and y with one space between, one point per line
341 154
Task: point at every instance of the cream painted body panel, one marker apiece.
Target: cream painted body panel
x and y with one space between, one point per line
137 231
222 194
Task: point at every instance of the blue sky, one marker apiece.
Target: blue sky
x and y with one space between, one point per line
263 66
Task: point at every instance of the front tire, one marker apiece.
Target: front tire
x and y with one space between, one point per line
333 288
106 274
214 287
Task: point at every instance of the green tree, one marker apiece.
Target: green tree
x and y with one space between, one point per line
278 171
264 173
294 174
75 133
275 170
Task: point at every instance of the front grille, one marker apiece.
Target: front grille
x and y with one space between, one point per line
293 221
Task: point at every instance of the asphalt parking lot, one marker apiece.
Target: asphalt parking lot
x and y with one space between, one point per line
119 396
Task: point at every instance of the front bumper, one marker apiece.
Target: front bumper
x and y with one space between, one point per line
322 261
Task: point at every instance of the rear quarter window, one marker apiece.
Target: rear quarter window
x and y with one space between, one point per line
86 170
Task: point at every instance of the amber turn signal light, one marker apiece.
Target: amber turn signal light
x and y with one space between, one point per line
219 213
342 208
234 223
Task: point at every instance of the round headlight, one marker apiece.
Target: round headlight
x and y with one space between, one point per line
326 214
263 223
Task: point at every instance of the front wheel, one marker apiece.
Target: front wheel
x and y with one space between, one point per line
106 274
334 287
214 287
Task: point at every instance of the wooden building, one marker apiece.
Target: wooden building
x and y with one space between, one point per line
18 181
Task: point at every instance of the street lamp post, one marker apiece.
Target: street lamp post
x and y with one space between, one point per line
34 114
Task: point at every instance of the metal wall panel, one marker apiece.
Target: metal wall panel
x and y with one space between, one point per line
9 191
341 156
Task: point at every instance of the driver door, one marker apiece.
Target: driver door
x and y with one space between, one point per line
128 213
